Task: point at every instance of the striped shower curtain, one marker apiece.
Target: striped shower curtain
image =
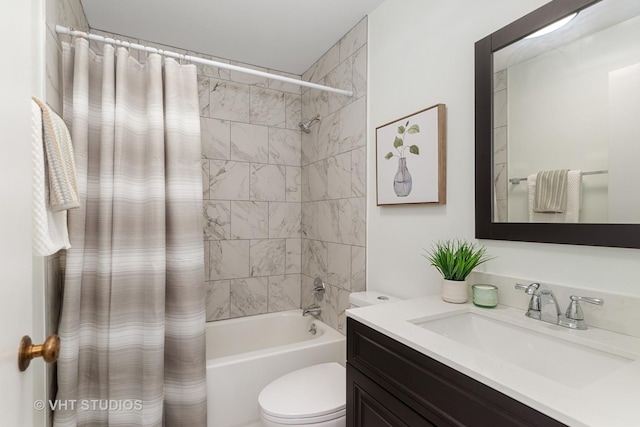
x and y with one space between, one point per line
133 315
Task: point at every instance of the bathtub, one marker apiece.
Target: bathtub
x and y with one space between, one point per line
246 354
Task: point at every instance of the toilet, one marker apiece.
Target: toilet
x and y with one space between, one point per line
315 395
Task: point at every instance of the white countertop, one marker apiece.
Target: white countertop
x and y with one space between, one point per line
611 401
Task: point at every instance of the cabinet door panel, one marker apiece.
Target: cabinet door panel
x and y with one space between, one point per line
369 405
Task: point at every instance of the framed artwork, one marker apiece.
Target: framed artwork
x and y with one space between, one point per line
411 159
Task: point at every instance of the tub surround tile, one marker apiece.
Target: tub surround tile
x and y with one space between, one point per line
284 292
229 100
353 124
285 147
353 40
217 300
205 179
293 182
358 272
248 296
305 191
249 79
333 305
500 108
359 172
292 110
249 220
339 176
267 107
228 180
341 77
500 180
314 102
285 220
217 216
329 221
268 183
249 143
293 256
211 70
307 299
216 138
204 95
314 258
207 260
318 180
267 257
309 227
339 265
500 145
228 259
352 221
323 66
309 146
285 86
360 72
500 81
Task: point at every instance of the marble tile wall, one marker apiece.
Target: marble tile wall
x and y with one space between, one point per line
333 177
500 170
251 149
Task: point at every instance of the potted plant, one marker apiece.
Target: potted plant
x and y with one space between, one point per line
455 259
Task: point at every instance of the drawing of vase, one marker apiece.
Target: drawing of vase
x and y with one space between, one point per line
402 182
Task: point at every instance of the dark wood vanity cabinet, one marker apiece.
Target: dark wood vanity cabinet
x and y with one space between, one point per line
390 384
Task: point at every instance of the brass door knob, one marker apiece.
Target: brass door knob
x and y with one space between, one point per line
49 351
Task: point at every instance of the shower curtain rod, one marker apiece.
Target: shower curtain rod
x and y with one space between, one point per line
71 32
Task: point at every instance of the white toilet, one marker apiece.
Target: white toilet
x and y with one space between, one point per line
313 396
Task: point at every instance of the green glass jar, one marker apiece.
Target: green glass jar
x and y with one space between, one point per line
485 296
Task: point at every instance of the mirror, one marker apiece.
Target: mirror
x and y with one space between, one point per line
569 99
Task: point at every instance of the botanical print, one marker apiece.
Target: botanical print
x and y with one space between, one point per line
410 158
402 182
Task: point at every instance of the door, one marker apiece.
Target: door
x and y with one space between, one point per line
21 32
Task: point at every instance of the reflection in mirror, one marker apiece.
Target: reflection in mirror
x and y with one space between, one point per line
570 100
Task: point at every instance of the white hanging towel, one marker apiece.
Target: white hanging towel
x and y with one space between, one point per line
573 205
50 232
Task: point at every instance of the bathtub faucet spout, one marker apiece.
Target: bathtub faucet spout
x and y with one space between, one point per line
315 311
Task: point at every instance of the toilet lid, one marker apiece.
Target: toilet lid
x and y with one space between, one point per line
309 392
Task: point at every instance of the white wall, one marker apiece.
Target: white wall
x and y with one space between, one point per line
421 52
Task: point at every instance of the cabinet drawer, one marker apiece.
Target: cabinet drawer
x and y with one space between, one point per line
434 390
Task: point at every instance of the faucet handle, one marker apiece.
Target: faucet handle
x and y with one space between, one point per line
574 311
529 289
596 301
573 317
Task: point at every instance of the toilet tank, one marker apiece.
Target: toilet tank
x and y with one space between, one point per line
363 299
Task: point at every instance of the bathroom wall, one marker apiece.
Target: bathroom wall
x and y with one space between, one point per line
333 177
429 59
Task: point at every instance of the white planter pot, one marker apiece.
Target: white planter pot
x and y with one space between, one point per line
455 291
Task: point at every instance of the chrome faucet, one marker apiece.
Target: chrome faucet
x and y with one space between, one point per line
315 311
544 306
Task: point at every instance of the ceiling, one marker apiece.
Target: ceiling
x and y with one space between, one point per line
284 35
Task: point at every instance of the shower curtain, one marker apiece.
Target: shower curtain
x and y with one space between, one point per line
133 314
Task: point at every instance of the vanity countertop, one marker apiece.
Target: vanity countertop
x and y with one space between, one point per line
613 400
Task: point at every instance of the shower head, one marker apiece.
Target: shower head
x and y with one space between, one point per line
305 126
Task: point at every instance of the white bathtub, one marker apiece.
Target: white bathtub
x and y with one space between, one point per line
246 354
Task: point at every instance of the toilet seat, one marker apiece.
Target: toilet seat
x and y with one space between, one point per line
307 396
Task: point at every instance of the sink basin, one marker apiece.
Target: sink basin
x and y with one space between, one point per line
566 362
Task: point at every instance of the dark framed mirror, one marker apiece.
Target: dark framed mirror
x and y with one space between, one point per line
511 121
